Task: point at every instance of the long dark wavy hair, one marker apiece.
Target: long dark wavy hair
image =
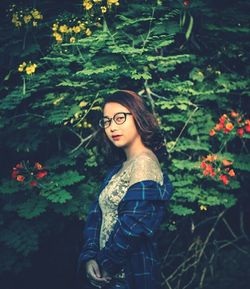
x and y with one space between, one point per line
146 124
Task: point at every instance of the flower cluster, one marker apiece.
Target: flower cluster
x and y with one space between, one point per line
99 5
27 16
71 32
29 68
24 173
215 167
234 123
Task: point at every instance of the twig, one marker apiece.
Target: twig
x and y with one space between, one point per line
182 130
82 140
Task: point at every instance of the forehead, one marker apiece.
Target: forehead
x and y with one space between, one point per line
112 108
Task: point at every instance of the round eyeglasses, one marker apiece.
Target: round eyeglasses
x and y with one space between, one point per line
119 118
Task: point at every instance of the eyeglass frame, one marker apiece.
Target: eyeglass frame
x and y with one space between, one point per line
113 118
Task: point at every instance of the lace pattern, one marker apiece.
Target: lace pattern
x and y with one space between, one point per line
142 167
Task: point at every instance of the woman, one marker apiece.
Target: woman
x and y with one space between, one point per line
120 249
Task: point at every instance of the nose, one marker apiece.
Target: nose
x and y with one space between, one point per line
113 125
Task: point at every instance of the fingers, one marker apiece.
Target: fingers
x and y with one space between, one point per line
94 275
96 270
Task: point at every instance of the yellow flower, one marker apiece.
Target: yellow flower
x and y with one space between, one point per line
15 20
104 9
21 67
72 40
87 4
82 26
111 2
36 14
63 28
83 103
88 32
55 27
34 23
31 68
57 36
97 1
77 114
76 29
203 208
27 19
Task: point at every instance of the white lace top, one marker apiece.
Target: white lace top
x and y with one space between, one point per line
144 166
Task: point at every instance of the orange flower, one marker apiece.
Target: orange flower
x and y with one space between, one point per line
212 132
211 158
20 178
227 163
224 179
231 173
38 166
234 114
229 126
240 132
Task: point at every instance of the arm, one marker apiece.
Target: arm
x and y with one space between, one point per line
92 227
137 220
91 233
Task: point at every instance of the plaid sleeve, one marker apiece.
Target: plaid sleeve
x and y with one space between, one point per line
91 233
137 220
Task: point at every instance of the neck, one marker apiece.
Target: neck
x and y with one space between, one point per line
135 150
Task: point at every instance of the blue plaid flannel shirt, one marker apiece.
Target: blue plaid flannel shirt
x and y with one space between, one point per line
131 244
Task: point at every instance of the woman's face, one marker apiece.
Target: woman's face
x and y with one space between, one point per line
126 132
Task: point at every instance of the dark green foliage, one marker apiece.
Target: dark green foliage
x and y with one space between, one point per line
189 64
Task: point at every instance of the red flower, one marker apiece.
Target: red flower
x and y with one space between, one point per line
14 173
224 179
203 165
186 3
41 174
219 126
240 131
33 183
19 166
247 128
20 178
222 119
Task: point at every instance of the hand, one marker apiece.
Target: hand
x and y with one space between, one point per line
94 275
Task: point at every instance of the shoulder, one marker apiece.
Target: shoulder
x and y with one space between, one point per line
146 167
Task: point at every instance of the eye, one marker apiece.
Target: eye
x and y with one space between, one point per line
120 118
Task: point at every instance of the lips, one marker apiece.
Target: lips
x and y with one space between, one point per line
116 136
